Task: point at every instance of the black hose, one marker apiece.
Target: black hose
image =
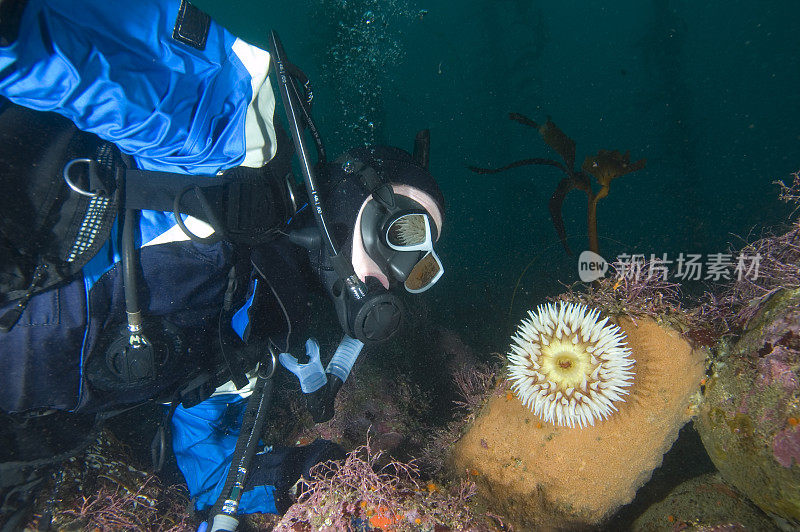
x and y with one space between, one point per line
129 261
250 433
305 109
284 82
211 218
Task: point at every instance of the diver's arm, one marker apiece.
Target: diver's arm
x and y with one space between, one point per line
192 102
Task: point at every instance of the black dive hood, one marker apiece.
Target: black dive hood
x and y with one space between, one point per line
366 310
352 178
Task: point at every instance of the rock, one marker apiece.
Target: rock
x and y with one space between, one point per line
703 503
750 420
377 403
541 476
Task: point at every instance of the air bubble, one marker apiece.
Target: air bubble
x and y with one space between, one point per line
365 43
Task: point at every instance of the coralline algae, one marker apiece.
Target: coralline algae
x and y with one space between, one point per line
786 446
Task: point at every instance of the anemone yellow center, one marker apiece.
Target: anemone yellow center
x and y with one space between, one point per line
566 364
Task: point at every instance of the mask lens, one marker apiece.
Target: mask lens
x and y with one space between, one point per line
409 232
426 272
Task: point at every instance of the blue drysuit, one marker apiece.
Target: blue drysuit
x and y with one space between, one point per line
179 93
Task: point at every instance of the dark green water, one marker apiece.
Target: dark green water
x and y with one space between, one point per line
706 91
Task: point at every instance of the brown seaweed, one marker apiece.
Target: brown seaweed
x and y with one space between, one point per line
606 166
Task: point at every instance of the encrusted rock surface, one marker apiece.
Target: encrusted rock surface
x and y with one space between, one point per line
750 420
703 503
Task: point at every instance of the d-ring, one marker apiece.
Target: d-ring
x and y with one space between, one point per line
274 362
73 186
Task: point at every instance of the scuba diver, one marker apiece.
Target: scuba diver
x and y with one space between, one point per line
155 245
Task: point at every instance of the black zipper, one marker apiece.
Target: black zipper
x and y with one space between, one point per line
12 316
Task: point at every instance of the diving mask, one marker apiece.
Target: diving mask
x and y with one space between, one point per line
411 232
400 241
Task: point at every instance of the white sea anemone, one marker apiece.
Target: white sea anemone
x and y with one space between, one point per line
568 366
408 230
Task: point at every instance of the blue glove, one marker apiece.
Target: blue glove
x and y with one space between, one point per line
311 375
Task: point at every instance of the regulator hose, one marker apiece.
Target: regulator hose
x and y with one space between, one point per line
225 509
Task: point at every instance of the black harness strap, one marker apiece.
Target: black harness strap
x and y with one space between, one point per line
156 191
227 338
243 205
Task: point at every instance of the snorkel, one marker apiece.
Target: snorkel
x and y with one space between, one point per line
366 310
